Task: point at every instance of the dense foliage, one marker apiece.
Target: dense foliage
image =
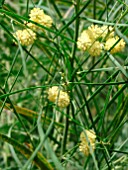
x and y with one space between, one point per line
63 84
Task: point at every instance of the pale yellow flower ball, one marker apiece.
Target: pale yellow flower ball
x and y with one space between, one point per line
117 48
26 37
84 145
47 21
95 49
84 41
58 96
63 99
52 93
87 41
94 32
37 15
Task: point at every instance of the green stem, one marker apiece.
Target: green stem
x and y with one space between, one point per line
94 9
65 133
73 18
39 160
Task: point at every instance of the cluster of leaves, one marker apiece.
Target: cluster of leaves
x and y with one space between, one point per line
42 135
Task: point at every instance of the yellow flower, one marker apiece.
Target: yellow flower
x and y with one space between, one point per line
118 47
94 32
95 49
106 32
38 15
26 37
85 144
52 93
47 21
93 39
84 41
87 42
63 99
58 96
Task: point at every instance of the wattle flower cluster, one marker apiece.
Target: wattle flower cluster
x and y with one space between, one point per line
37 15
88 139
28 36
95 39
118 47
58 96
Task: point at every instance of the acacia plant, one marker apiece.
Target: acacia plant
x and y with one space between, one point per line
63 84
